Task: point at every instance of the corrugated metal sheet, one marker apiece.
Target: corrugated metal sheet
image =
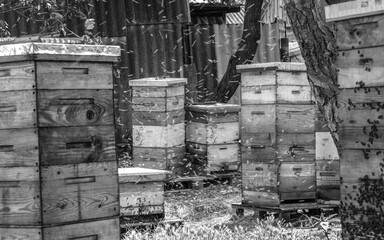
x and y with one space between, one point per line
272 10
111 16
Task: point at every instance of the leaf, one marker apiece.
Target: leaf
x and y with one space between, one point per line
89 24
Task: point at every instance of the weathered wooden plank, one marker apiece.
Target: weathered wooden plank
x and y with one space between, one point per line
212 133
360 164
217 157
20 196
158 136
295 147
141 194
158 92
295 118
258 94
361 107
79 192
21 233
258 78
298 195
70 145
258 153
158 104
367 137
73 75
19 148
328 173
141 175
17 76
262 177
297 177
325 146
17 109
321 124
75 107
295 78
360 32
258 118
258 139
96 230
157 158
212 118
362 67
264 199
154 82
158 118
216 108
293 94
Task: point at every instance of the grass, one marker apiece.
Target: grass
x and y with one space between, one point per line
208 214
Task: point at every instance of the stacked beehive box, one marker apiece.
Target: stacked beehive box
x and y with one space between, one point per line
141 194
158 123
58 167
277 137
212 137
360 42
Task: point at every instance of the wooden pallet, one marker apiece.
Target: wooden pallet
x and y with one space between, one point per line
288 212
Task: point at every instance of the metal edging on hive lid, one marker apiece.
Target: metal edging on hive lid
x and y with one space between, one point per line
353 9
56 51
282 66
157 82
138 175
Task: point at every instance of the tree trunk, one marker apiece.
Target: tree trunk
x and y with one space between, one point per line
245 53
317 43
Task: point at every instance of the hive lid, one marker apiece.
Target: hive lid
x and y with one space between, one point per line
59 51
141 175
154 82
282 66
214 108
353 9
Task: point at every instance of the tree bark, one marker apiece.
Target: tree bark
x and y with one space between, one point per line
317 43
245 53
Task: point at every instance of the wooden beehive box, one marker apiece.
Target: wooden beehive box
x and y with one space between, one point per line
360 41
212 136
158 123
277 113
273 184
57 145
277 134
141 193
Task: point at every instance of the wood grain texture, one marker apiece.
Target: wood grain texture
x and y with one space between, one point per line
20 233
141 194
73 75
294 78
157 92
156 158
258 78
79 192
258 94
212 118
361 107
70 145
258 153
295 147
19 148
295 118
17 76
262 177
158 118
20 196
360 164
96 230
258 139
328 173
17 109
363 67
297 177
367 137
217 157
75 108
262 199
360 32
158 136
258 118
212 133
293 94
158 104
